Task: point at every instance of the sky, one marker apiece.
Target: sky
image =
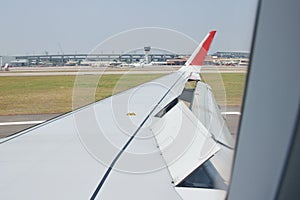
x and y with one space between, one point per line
77 26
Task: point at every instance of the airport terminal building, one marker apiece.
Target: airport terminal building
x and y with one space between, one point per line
218 58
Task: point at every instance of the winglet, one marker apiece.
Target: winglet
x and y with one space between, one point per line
197 58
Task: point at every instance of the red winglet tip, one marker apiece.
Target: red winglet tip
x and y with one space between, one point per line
200 56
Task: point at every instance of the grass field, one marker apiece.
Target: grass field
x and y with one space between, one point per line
228 88
53 94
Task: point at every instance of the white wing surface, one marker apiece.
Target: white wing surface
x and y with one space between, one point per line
139 144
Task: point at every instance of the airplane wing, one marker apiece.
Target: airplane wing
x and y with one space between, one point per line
143 143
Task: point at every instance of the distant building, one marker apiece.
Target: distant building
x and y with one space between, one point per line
177 61
231 54
19 63
228 59
156 57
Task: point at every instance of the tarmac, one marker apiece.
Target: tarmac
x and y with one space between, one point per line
15 123
88 70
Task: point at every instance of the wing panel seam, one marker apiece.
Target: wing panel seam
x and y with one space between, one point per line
129 141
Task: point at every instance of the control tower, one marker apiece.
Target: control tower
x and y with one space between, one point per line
147 51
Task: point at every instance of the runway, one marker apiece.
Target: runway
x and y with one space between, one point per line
79 71
15 123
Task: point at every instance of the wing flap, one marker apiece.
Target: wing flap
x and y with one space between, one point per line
207 111
184 142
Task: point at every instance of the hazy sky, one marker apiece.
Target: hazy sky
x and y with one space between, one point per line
69 26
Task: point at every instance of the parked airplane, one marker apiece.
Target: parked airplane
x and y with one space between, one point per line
143 63
5 67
